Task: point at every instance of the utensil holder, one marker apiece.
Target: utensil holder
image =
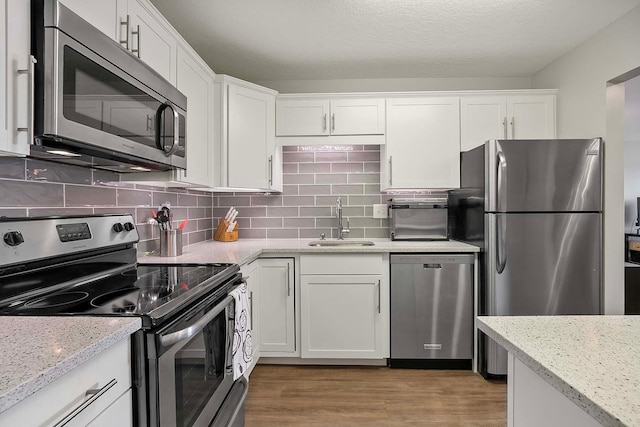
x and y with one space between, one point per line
170 242
222 235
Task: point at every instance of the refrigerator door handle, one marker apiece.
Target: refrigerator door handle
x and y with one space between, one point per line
501 253
501 183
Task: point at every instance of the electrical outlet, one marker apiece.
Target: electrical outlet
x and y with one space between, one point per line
380 211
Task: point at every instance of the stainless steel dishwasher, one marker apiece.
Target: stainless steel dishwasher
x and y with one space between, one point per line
431 311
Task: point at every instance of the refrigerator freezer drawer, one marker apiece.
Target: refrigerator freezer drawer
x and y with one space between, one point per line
431 307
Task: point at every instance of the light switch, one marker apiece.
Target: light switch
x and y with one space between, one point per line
380 211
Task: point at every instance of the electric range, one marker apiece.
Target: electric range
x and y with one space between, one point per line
87 265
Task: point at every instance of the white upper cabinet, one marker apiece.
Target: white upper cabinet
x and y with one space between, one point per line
137 26
357 116
150 39
105 15
531 116
15 63
196 81
302 117
423 143
246 136
298 120
481 119
526 116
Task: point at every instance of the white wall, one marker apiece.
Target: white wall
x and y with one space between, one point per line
396 85
581 76
631 152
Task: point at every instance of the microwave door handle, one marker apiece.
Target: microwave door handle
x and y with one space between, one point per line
160 129
193 329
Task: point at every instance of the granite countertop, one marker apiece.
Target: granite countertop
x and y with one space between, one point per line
38 350
593 360
246 250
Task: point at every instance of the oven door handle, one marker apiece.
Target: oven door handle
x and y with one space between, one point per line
195 328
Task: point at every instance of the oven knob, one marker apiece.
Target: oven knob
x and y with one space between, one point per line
128 226
117 227
13 238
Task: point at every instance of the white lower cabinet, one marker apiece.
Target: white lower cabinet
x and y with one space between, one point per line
344 306
533 402
96 393
251 273
276 308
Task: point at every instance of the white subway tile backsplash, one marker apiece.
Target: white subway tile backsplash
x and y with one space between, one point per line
314 189
266 222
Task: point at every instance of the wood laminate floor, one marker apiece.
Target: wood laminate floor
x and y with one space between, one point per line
372 396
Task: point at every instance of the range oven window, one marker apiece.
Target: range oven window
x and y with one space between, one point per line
94 96
196 372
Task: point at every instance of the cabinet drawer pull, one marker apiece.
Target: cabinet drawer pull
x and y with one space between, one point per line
390 170
333 121
288 280
126 23
504 127
95 395
30 100
324 122
137 34
379 302
513 127
251 310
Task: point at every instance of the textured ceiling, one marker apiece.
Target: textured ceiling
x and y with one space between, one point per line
343 39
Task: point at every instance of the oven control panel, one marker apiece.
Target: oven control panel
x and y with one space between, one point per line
28 239
73 232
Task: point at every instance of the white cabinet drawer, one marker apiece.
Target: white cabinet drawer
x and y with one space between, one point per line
341 264
110 370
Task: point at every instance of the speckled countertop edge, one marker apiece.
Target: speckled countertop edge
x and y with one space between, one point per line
246 250
38 350
600 401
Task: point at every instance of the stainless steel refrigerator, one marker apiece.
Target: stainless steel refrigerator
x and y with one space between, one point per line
535 209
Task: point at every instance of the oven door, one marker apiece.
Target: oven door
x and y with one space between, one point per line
195 371
94 107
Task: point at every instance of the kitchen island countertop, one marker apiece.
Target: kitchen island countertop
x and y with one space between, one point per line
246 250
38 350
592 360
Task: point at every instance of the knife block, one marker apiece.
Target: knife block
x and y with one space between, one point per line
222 235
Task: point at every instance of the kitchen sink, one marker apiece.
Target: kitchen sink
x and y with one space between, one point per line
341 243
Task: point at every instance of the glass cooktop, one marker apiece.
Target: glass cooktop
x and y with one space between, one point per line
140 290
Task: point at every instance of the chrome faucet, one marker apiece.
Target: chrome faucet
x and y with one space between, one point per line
341 229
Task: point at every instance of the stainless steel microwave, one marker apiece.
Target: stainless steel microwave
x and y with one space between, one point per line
419 219
98 105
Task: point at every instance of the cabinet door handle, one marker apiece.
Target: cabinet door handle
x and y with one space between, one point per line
288 280
95 395
30 101
250 309
333 122
513 127
324 122
390 170
137 34
504 127
270 161
127 24
379 301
